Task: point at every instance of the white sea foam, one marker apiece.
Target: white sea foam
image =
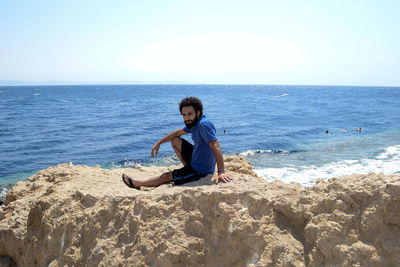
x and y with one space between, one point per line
387 162
261 151
392 152
3 192
281 95
253 152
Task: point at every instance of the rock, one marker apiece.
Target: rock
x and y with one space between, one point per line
71 215
6 262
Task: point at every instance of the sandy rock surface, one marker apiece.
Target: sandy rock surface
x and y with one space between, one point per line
71 215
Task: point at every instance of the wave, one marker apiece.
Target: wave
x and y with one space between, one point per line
256 152
392 152
61 100
132 163
4 189
126 163
387 162
281 95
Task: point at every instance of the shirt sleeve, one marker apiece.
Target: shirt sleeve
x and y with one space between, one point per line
207 132
186 130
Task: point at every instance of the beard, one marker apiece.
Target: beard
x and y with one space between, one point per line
191 123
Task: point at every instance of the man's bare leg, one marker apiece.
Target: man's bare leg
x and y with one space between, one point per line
177 146
150 182
163 178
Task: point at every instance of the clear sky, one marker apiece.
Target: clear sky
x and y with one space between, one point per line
338 42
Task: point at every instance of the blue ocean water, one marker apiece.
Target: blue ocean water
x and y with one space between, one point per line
281 130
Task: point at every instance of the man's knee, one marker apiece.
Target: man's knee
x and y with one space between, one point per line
176 142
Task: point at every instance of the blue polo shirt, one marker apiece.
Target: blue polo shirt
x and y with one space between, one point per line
203 160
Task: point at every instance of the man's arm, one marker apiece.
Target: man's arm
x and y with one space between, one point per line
220 162
165 139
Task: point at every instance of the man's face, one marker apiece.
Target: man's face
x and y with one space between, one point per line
189 116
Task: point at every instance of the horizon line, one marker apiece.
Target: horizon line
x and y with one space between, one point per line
65 83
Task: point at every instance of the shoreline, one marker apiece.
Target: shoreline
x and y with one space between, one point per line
306 177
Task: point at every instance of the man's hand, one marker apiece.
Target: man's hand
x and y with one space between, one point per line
155 149
223 177
167 138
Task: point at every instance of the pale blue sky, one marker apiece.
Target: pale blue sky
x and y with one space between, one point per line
264 42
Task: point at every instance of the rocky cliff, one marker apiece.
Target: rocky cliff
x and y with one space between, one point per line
71 215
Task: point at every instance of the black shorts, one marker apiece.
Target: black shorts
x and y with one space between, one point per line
187 173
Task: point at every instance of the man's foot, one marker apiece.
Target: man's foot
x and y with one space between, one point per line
128 181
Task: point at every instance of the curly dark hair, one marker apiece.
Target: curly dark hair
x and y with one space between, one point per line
192 101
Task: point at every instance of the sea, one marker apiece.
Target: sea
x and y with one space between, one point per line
288 133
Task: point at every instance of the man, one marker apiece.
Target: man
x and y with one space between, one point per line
198 160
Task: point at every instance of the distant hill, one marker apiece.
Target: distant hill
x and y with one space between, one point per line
22 83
